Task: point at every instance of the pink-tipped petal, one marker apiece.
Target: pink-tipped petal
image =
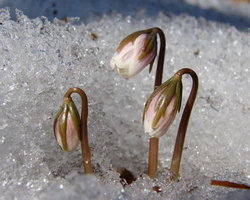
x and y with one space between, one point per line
165 121
139 45
57 132
71 134
161 107
127 61
66 127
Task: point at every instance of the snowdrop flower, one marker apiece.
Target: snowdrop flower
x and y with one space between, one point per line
162 106
135 52
67 125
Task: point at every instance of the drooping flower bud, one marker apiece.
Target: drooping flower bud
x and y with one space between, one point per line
135 52
67 125
162 106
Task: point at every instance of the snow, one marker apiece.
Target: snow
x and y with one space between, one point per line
42 57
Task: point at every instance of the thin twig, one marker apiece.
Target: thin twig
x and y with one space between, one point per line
229 184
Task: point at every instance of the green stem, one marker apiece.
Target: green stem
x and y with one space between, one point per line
176 159
86 154
154 142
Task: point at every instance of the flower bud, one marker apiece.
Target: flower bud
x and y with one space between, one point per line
135 52
67 125
162 106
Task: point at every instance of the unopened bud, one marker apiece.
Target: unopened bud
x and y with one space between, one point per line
135 52
67 125
162 106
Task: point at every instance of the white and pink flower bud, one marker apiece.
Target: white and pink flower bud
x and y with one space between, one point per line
134 53
67 126
162 106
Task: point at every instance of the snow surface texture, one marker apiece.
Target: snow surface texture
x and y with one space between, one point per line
41 59
226 11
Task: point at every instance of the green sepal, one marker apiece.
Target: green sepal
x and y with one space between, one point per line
166 96
163 102
75 116
152 62
56 119
151 65
148 45
131 38
178 95
154 93
63 125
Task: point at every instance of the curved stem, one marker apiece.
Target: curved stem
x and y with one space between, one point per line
154 142
86 155
176 159
161 57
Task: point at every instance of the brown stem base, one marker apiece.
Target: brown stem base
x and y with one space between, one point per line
86 157
153 157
